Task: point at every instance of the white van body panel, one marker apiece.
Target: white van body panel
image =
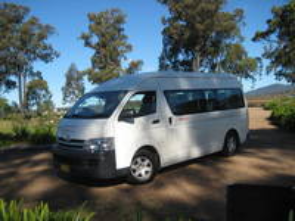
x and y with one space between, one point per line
187 137
85 129
130 136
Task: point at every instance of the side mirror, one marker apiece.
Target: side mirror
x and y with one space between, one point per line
126 114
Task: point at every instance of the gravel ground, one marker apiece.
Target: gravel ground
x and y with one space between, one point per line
196 189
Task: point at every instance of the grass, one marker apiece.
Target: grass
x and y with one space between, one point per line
38 130
5 126
15 211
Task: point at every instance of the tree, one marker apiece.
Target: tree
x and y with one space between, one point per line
38 95
6 83
23 41
279 39
134 66
5 108
199 36
236 61
107 38
74 86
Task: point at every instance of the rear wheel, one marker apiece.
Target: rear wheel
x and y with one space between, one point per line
231 144
143 167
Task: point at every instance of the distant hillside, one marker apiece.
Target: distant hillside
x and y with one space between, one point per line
272 90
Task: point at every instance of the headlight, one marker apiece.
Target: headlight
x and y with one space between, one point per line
99 145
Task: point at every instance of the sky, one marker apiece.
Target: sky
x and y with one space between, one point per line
143 28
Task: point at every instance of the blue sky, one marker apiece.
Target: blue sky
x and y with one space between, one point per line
69 17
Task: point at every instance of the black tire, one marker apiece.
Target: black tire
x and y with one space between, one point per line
231 144
149 161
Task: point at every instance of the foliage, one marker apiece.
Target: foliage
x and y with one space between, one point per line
199 36
38 95
279 37
15 211
237 62
23 41
74 86
5 108
107 38
33 129
283 112
134 66
21 131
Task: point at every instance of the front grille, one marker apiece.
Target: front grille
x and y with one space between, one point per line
72 143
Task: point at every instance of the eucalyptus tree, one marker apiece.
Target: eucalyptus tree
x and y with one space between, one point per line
23 41
106 37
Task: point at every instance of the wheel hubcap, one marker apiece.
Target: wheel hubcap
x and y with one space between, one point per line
142 168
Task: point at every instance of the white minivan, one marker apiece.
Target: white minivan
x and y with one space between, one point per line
134 125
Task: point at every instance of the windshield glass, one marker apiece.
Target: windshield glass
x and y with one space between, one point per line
96 105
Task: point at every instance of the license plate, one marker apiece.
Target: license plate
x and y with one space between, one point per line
65 168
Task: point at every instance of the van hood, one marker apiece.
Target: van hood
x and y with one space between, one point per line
83 129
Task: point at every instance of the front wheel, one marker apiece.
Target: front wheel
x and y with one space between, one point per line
143 167
231 144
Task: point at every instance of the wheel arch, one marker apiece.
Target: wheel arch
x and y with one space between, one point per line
236 132
153 150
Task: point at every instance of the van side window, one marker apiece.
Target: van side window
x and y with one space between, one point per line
186 101
222 99
141 104
211 98
236 99
229 99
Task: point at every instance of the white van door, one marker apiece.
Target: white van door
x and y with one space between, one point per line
138 125
187 132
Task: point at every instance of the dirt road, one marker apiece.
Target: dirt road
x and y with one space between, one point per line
195 190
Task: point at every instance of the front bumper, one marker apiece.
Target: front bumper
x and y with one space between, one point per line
79 163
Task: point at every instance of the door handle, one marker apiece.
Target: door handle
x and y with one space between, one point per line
170 120
156 121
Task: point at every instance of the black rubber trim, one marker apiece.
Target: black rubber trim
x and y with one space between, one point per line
88 165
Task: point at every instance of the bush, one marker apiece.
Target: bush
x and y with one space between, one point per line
20 131
283 112
43 134
14 211
17 128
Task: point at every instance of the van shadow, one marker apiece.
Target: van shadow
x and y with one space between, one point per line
273 138
93 182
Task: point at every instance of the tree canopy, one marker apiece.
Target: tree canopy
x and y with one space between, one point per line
23 41
38 96
134 66
106 37
279 39
74 85
199 36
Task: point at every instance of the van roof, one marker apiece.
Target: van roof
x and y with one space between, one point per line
129 82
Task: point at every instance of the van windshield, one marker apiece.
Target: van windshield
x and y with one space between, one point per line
96 105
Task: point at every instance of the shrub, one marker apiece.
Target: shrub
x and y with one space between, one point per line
20 131
14 211
43 134
283 112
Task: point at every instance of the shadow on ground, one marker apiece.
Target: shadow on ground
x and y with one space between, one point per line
195 189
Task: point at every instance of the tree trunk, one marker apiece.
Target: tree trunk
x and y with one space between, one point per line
20 92
196 63
25 106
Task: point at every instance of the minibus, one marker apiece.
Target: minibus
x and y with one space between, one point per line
135 125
